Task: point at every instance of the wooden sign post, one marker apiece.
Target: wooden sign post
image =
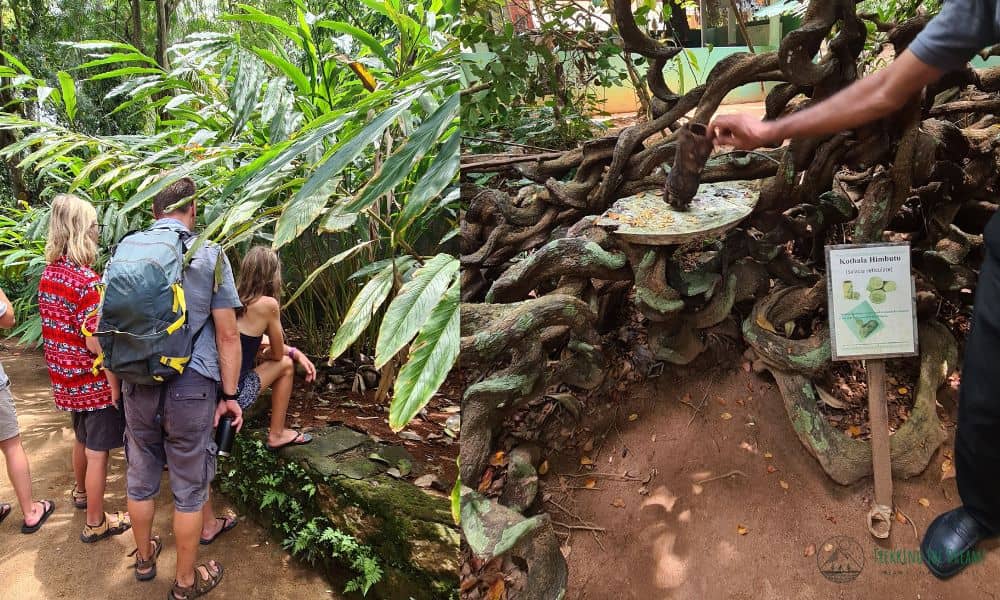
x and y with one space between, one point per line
872 311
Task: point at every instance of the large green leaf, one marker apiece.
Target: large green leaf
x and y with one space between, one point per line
362 36
300 213
117 57
291 71
342 256
68 87
410 309
360 314
398 166
352 147
122 72
438 176
431 357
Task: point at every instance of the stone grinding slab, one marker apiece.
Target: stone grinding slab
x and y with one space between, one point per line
646 218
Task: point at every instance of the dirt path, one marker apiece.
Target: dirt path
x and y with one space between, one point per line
53 563
680 541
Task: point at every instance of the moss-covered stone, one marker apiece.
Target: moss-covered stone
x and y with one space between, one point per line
410 531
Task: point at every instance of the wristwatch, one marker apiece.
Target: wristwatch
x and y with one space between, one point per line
224 396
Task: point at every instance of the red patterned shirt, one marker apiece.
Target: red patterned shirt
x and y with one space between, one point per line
67 296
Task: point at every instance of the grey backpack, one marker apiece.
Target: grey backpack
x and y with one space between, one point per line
144 332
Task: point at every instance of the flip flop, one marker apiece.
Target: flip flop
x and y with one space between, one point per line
228 522
50 506
5 509
305 437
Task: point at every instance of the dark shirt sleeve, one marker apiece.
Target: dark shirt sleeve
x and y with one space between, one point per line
956 34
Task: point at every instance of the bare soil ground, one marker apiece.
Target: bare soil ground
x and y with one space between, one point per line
53 563
755 534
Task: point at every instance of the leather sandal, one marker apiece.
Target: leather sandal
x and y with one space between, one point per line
149 563
201 585
112 524
79 497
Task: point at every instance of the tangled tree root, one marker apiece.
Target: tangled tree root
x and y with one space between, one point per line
794 362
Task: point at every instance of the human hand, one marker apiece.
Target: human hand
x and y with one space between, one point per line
307 365
743 132
229 407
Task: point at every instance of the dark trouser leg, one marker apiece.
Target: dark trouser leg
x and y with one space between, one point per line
977 441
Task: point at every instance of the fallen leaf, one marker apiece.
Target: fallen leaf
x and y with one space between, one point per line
947 470
783 483
543 468
768 455
854 431
618 503
586 460
789 328
771 469
924 502
726 416
498 459
829 398
742 530
590 483
633 416
900 518
485 481
496 590
697 489
810 550
903 391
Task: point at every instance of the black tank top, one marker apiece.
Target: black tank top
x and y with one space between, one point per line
250 345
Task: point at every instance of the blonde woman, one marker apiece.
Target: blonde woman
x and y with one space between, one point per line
68 298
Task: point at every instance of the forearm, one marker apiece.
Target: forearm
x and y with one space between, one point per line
230 357
7 319
862 102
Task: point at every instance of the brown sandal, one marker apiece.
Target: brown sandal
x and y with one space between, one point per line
79 497
112 524
201 585
149 563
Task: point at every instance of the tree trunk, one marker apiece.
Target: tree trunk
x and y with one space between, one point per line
164 13
135 32
7 137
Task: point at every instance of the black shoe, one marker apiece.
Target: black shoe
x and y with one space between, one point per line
947 546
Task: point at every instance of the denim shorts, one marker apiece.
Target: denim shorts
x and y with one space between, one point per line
171 424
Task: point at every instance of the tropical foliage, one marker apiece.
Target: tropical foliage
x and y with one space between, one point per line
337 147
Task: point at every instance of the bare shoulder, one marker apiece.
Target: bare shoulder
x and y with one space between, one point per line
265 306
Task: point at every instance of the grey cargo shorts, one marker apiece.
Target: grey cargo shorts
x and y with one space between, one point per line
171 424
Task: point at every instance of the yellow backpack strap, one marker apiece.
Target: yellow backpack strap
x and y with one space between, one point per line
98 361
180 305
176 363
83 328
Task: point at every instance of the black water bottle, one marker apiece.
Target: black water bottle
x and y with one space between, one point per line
224 435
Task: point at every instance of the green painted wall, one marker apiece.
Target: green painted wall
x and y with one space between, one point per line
695 65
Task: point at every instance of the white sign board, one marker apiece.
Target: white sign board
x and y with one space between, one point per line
871 301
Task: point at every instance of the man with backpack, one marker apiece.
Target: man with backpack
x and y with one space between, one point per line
168 329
